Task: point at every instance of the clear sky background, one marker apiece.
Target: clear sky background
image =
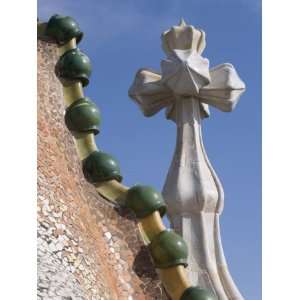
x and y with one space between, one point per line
122 36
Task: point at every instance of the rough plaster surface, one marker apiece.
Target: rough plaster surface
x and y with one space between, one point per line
87 248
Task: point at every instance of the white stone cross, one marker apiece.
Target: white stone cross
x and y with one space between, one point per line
194 195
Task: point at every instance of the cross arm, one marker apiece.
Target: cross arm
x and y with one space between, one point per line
148 92
152 93
225 88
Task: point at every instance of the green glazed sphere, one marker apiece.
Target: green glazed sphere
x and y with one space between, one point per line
83 116
168 249
62 29
196 293
99 167
73 66
144 200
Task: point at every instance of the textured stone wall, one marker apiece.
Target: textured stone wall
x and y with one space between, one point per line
87 248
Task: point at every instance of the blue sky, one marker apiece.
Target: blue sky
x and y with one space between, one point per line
122 36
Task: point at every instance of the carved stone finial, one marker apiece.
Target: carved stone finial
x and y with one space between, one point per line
192 191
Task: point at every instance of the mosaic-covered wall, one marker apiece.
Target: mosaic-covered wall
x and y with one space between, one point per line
87 247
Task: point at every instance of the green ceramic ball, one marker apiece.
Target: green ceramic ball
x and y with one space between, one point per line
83 116
144 200
99 167
73 66
168 249
62 29
196 293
